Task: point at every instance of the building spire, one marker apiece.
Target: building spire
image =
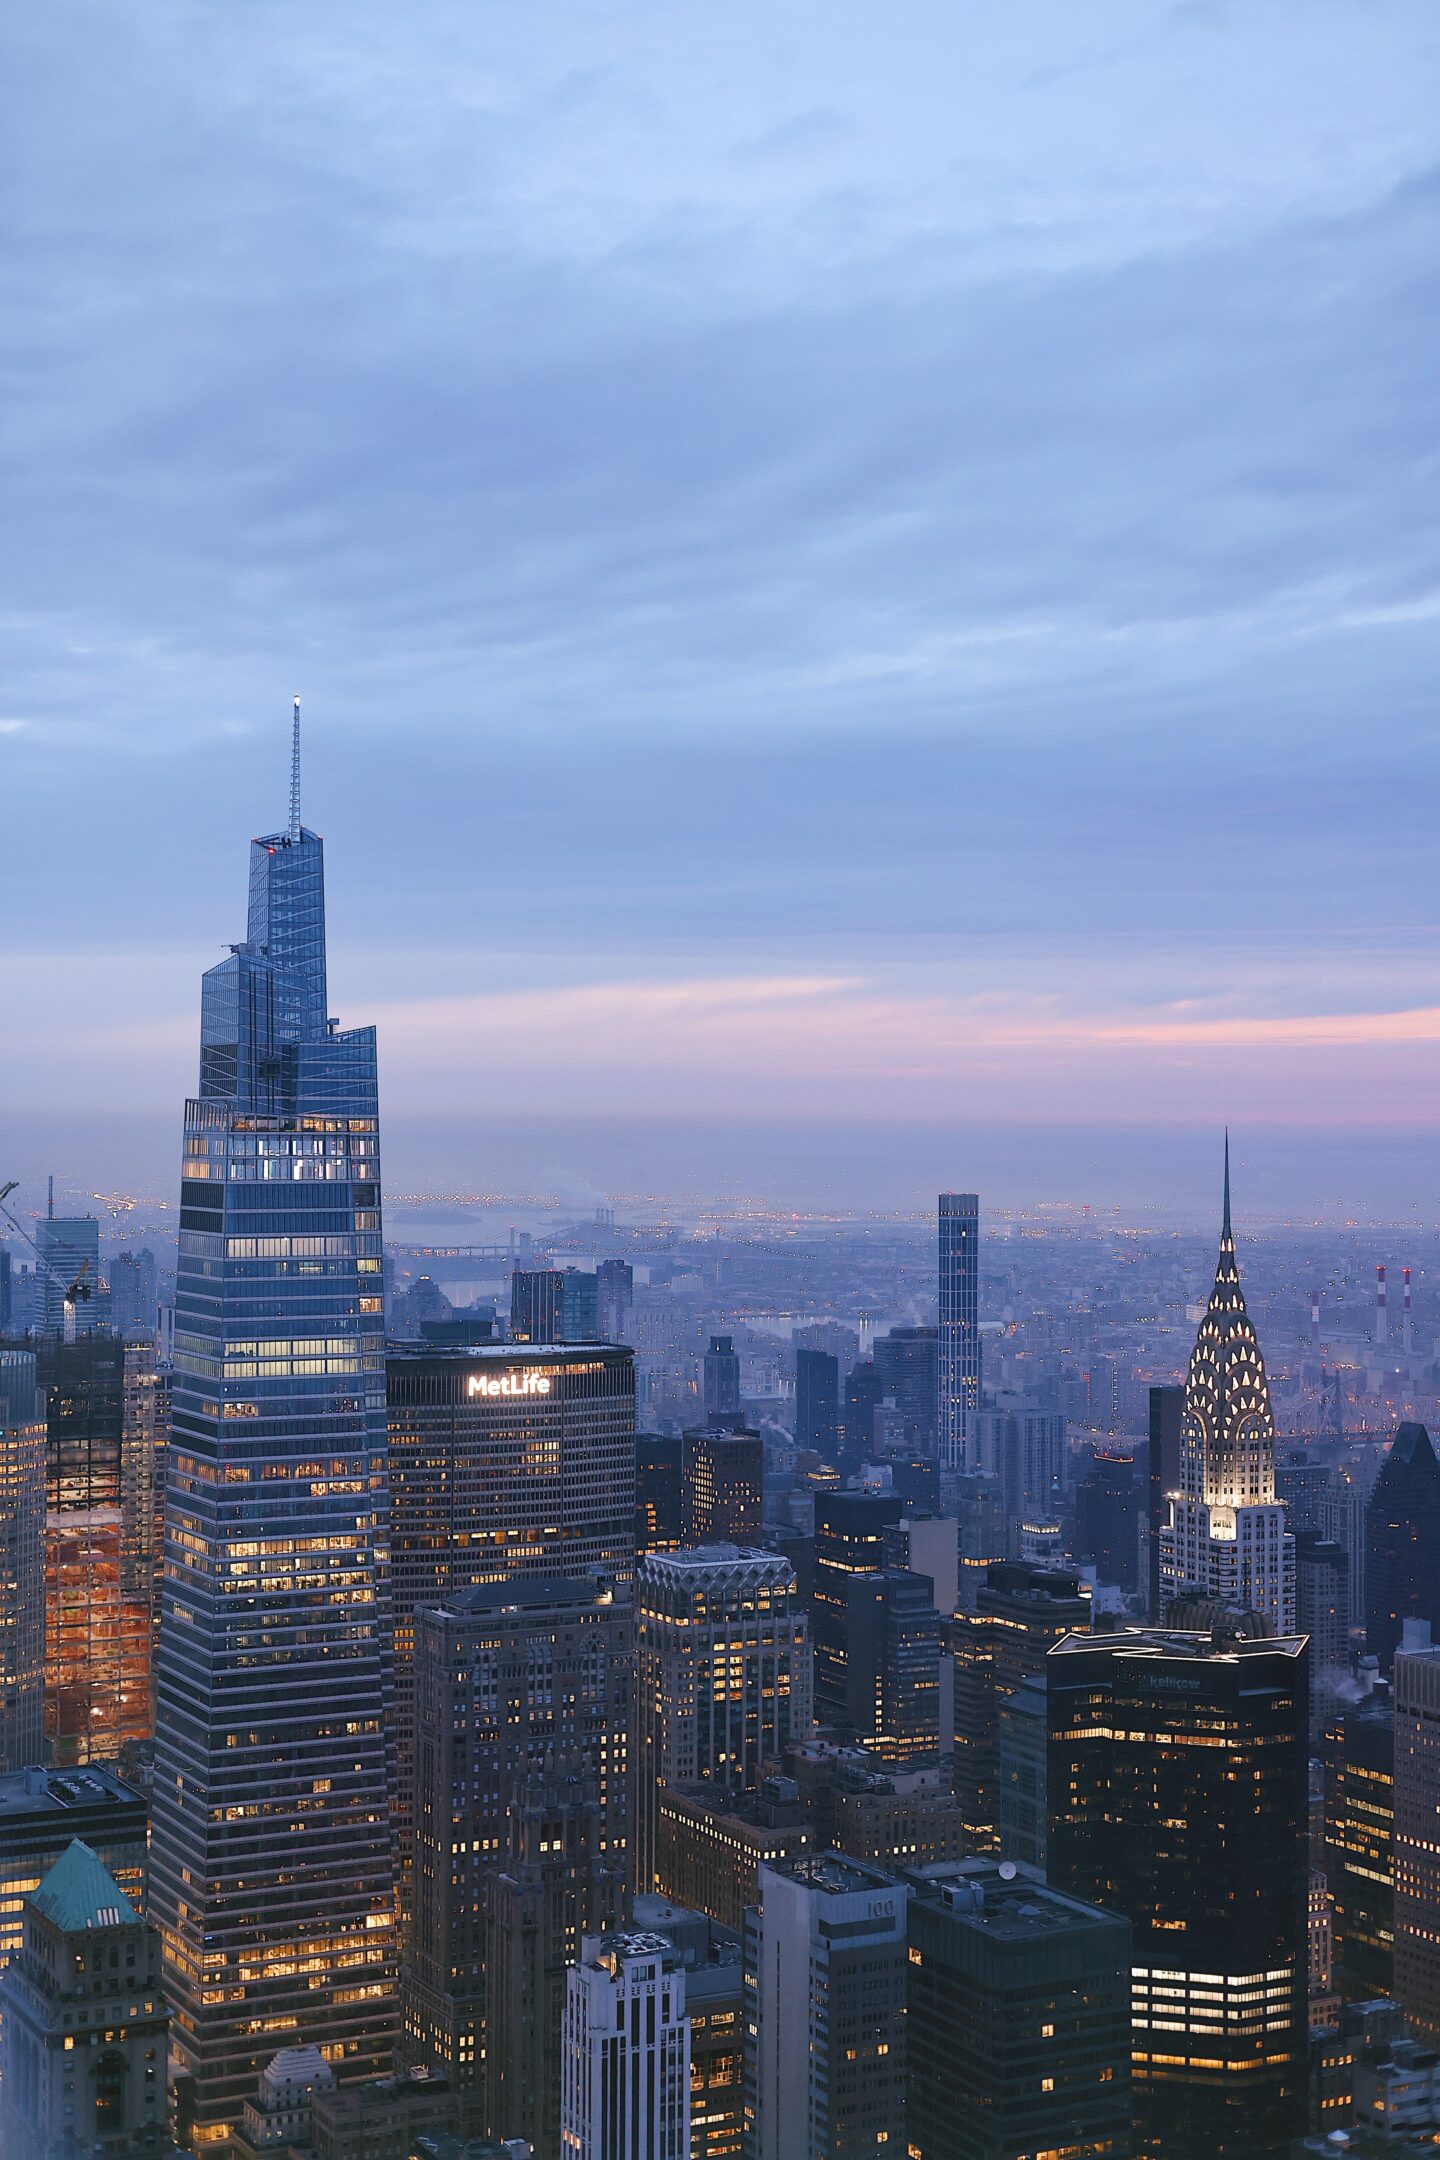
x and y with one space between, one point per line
295 777
1225 1230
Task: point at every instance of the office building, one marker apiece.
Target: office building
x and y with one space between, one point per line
627 2052
722 1678
850 1530
270 1869
817 1403
973 1496
891 1818
1359 1758
1322 1612
715 2006
1417 1830
133 1302
825 2062
722 1486
892 1668
1020 1613
579 1306
83 2022
1107 1519
1402 1539
907 1361
1178 1798
7 1293
506 1465
1167 1420
522 1709
43 1811
710 1845
614 1299
722 1379
958 1342
659 1524
1024 1446
1017 2028
928 1543
535 1295
22 1563
1021 1753
1226 1540
864 1394
100 1527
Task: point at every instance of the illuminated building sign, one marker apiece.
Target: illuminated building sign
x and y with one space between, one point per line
530 1382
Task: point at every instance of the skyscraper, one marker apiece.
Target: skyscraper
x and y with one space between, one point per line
1178 1797
850 1533
1226 1540
22 1562
1402 1542
1017 2028
722 1485
722 1682
1417 1812
1359 1755
627 2052
907 1361
825 2009
722 1379
614 1299
959 1338
892 1668
271 1872
70 1247
1020 1613
817 1402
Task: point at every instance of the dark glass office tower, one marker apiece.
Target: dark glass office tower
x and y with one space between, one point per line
722 1378
271 1872
849 1541
1359 1760
817 1402
1177 1790
1402 1541
959 1341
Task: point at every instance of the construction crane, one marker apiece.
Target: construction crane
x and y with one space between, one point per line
75 1293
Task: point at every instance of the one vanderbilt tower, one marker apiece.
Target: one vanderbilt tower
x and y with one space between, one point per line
1226 1540
271 1873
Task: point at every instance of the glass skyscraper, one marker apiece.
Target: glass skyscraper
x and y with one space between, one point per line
959 1343
271 1872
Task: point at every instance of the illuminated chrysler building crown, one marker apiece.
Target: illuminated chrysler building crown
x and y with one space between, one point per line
1227 1456
1226 1541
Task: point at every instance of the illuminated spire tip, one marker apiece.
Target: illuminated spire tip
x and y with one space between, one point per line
1225 1230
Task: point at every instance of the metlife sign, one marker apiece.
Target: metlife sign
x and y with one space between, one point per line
529 1382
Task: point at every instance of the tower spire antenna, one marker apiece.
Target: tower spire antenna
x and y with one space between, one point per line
295 775
1225 1230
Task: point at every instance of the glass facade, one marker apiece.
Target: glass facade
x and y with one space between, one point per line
22 1566
271 1877
959 1340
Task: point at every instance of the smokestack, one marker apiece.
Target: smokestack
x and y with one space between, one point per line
1382 1329
1406 1337
1315 1319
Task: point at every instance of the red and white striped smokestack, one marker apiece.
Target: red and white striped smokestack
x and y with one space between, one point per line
1405 1309
1382 1330
1315 1317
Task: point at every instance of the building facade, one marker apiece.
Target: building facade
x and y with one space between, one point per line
627 2052
1359 1758
271 1872
1417 1830
722 1680
1178 1799
22 1563
1402 1538
722 1486
958 1345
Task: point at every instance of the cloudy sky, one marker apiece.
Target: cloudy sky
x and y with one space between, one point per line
855 569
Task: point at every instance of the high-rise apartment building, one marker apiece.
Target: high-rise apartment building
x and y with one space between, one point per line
1402 1540
1178 1798
850 1535
1322 1613
825 1970
627 2052
722 1683
959 1335
1226 1540
1359 1758
271 1871
133 1305
506 1465
1023 1445
892 1668
907 1361
522 1710
83 2022
817 1402
22 1563
1017 2028
1417 1829
722 1486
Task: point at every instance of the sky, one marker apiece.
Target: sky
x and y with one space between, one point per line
865 582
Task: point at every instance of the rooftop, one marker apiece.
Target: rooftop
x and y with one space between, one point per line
80 1892
1172 1643
1006 1901
38 1791
833 1872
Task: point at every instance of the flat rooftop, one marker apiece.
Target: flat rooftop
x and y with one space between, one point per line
60 1792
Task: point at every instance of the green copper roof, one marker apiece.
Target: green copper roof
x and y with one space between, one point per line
80 1892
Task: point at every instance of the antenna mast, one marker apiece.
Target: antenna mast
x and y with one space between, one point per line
295 778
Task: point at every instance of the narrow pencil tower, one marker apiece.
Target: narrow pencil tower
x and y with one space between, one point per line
1382 1329
1407 1338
